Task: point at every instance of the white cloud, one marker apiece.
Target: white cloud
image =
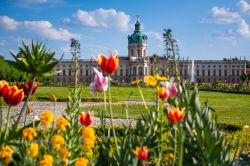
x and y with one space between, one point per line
243 29
221 15
102 18
41 28
244 5
228 36
155 35
33 1
8 23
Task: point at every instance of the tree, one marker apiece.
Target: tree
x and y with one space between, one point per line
248 64
171 49
35 60
243 77
75 51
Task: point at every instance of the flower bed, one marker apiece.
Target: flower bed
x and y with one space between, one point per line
175 131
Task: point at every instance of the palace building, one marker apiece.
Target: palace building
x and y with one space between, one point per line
139 64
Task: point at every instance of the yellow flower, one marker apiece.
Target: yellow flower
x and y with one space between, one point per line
61 124
136 82
46 118
6 153
64 154
81 162
33 150
89 137
150 80
160 78
168 158
29 133
57 141
47 160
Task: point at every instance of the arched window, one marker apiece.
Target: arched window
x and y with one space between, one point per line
138 53
140 71
132 52
134 70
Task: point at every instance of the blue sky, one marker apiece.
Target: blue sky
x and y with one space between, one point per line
207 29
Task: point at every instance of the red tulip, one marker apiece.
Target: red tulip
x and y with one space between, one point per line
141 153
175 115
86 118
14 96
108 65
26 87
163 93
4 86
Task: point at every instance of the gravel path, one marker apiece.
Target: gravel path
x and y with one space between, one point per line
38 107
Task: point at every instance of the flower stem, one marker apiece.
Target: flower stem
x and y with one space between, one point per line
7 124
26 102
161 133
180 148
111 115
104 111
175 143
1 113
142 97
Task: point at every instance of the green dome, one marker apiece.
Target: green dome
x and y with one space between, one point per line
137 37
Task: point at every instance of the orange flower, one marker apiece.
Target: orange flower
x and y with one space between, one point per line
13 96
175 115
86 118
29 133
163 93
81 162
108 65
141 153
5 154
26 87
61 124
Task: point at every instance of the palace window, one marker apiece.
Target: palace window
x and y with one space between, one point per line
197 72
132 52
121 72
127 71
140 71
233 72
203 73
69 72
64 73
134 70
225 72
208 73
214 72
219 72
87 73
138 53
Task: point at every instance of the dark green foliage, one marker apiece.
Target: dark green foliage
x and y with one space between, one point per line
11 74
35 60
203 140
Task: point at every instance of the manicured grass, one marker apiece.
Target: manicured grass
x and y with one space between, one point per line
230 108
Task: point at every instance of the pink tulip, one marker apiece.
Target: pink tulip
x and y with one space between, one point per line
171 86
100 83
172 89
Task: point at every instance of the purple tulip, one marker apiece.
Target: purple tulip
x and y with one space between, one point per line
100 83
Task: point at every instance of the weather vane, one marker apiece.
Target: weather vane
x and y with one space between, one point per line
137 16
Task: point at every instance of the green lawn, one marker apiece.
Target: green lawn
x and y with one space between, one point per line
230 108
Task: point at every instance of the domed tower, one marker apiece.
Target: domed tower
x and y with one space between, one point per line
137 53
137 44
